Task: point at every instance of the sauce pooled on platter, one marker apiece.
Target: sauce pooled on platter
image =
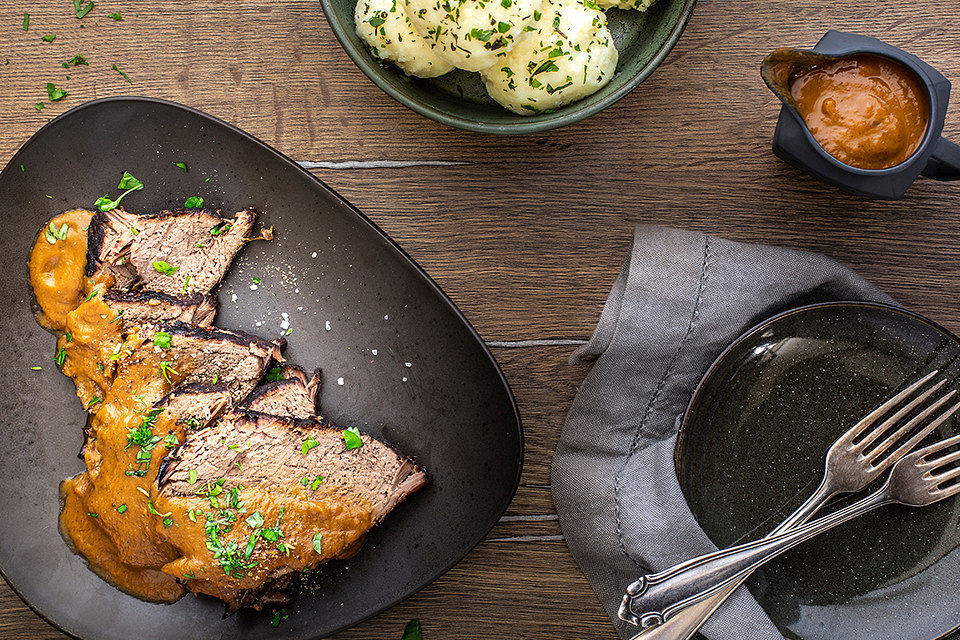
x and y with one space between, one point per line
865 110
221 541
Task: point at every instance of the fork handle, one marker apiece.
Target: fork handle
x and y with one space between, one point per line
686 622
655 598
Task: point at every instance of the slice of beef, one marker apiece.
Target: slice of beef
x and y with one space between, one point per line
196 405
293 396
234 359
142 307
172 251
300 475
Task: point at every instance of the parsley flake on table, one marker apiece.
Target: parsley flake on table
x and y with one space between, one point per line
55 93
26 21
40 106
80 10
193 202
120 71
182 165
413 631
351 437
116 16
75 61
50 37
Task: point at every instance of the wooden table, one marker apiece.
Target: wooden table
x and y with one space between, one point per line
524 233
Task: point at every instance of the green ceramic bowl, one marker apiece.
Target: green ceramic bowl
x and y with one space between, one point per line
458 98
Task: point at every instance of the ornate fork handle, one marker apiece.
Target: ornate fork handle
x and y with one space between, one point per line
654 598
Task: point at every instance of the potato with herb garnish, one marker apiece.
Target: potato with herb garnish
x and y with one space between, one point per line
472 34
639 5
385 27
568 55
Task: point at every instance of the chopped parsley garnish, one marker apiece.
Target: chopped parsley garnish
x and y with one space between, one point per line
50 37
93 515
52 233
308 444
80 10
376 21
193 202
161 339
142 435
89 297
55 93
127 182
36 368
351 437
167 523
117 317
481 34
40 106
116 16
223 227
166 368
170 441
122 508
278 615
120 71
186 281
316 483
94 400
192 476
255 521
164 267
413 631
182 165
61 356
26 21
76 60
317 540
274 374
503 27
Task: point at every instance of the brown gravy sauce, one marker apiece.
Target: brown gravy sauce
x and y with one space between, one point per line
865 110
145 543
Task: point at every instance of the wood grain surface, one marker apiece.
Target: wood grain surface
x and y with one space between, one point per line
524 233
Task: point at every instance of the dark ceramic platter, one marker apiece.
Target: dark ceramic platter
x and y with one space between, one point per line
432 390
751 450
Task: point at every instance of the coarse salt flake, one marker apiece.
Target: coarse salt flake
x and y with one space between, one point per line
340 381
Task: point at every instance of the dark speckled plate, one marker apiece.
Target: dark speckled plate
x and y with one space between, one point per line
751 450
399 361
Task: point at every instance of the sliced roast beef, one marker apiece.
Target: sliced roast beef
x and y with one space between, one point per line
196 405
293 396
280 495
171 252
234 359
142 307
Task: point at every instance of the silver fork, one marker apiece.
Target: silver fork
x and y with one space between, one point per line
918 479
847 469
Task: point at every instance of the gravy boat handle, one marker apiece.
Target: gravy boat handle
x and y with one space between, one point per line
944 163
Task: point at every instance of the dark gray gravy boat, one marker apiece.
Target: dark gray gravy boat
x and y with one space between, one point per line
935 158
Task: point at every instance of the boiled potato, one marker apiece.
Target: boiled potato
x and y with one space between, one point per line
471 34
384 26
639 5
568 55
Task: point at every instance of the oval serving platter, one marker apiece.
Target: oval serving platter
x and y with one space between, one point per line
751 449
399 361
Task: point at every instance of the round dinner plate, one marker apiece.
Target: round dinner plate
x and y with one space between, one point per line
751 449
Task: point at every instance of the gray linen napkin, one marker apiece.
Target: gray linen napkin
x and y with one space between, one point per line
679 300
